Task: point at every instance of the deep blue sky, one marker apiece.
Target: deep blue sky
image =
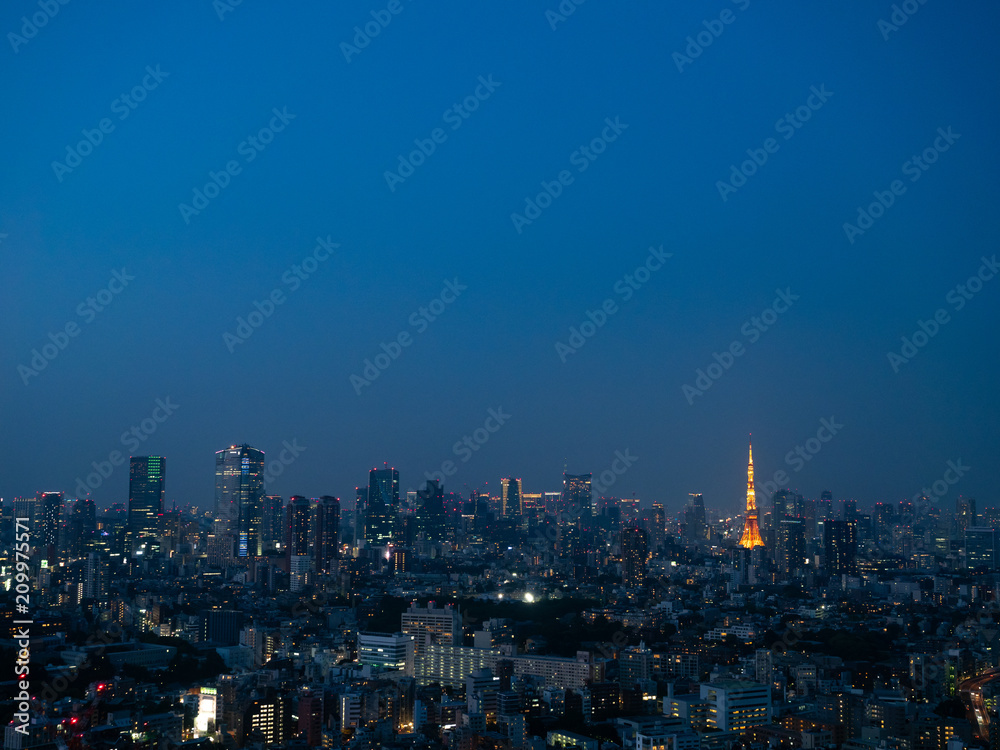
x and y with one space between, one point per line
324 175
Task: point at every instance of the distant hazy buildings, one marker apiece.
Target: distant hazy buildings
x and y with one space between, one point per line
577 496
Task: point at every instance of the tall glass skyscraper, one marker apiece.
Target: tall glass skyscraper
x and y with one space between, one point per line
383 504
239 496
510 497
577 497
326 532
146 478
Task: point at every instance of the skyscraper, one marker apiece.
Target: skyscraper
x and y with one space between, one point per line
787 504
657 525
825 505
511 498
431 519
382 505
695 527
239 491
48 513
751 532
790 545
297 541
272 528
146 479
326 532
841 546
635 548
965 515
577 497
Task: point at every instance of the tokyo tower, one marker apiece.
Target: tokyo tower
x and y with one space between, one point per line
751 532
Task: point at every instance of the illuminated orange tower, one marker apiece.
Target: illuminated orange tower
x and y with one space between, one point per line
751 531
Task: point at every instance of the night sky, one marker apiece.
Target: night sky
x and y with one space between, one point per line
140 255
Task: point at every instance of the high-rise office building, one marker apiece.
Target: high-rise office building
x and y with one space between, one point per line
146 479
635 548
239 494
48 514
431 519
790 545
273 528
511 499
657 527
326 532
965 513
787 504
382 506
825 505
841 546
297 541
78 525
577 496
695 526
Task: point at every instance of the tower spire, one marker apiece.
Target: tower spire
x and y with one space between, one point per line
751 531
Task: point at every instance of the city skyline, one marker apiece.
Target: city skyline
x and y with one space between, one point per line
386 480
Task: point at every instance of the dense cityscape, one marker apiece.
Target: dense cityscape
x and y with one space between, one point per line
560 619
